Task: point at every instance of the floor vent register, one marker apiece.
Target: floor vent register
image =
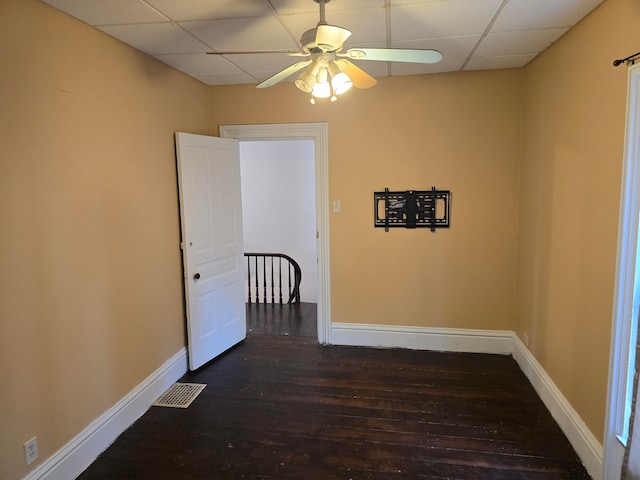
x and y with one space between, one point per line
180 395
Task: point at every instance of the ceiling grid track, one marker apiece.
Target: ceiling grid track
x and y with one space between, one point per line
486 32
277 16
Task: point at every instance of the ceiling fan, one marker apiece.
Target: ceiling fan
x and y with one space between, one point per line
328 71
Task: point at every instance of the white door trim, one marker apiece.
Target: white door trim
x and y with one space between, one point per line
319 132
625 308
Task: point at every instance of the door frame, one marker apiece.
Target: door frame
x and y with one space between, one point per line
626 294
319 132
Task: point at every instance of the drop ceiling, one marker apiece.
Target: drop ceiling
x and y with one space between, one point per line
471 34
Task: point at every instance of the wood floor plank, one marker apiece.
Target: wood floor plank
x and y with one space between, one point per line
283 407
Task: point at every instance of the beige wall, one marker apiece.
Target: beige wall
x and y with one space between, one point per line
90 273
456 131
91 277
574 120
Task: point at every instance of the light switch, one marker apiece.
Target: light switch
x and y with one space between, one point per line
336 206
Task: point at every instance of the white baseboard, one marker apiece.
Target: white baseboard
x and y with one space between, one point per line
422 338
483 341
78 454
583 441
72 459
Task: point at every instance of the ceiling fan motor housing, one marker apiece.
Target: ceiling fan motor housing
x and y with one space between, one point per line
308 39
311 43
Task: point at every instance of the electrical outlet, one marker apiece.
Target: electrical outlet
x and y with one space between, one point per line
525 339
31 450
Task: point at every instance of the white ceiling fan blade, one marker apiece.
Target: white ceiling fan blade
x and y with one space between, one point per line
359 77
330 37
282 74
291 53
394 55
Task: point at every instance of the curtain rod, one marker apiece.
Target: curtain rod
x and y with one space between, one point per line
630 60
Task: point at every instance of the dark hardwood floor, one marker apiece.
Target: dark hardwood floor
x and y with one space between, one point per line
299 319
279 405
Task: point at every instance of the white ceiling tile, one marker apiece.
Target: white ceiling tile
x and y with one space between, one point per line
224 78
155 38
180 10
198 63
507 61
294 7
367 25
241 34
518 42
288 7
528 14
351 4
441 18
299 23
99 12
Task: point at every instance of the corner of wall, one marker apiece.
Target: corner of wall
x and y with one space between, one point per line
583 441
72 459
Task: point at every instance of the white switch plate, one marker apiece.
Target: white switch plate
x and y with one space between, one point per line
336 206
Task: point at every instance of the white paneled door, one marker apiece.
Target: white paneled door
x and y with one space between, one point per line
212 249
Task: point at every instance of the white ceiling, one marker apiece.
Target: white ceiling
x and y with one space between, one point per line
471 34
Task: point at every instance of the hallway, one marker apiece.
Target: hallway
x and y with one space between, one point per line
296 319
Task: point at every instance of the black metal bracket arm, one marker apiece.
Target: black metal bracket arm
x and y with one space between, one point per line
412 209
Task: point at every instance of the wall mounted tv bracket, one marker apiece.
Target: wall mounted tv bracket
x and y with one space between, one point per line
412 209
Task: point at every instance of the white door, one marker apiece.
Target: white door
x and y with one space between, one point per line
211 216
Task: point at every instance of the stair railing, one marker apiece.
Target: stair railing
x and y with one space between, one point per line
265 282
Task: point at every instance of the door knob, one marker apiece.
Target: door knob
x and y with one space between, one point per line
196 276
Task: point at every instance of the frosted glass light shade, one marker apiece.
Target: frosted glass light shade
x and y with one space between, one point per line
306 81
341 83
322 90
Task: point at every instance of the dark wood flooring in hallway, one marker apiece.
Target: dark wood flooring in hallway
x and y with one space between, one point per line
298 319
281 406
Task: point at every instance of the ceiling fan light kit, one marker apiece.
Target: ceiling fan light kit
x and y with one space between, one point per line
328 73
323 78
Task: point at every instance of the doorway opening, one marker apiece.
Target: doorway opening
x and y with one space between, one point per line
318 133
279 219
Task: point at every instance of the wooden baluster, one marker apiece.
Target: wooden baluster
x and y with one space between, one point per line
257 291
289 280
264 279
272 285
254 284
249 278
280 279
